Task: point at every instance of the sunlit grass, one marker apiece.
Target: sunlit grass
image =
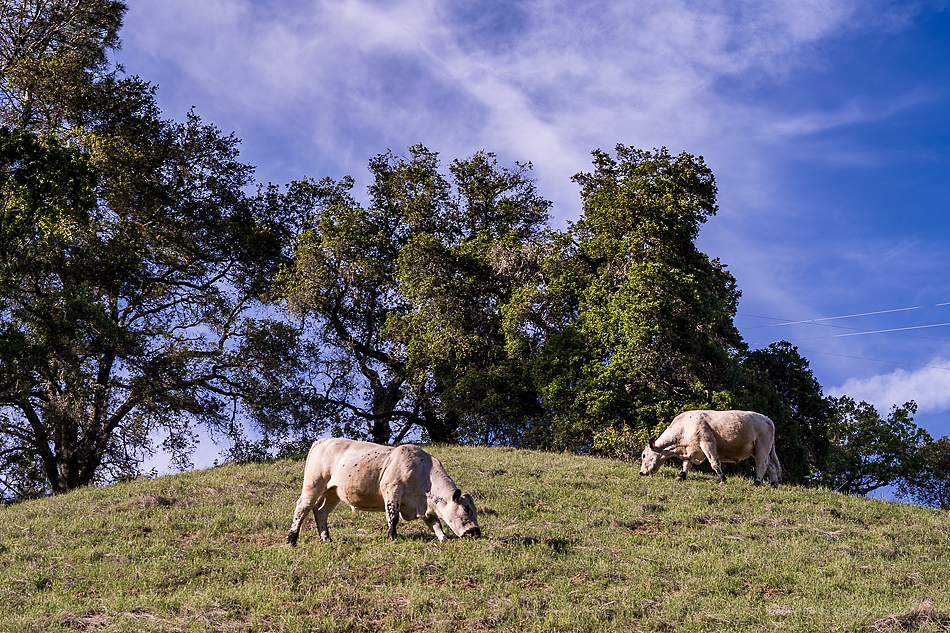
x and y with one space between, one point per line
570 544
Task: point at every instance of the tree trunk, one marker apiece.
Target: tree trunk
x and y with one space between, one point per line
74 459
380 431
385 399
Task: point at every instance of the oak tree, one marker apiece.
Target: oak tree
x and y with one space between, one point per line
134 307
867 451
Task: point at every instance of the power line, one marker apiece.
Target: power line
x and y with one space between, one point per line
861 332
858 331
877 360
845 316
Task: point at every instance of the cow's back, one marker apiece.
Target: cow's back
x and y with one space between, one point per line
352 467
735 433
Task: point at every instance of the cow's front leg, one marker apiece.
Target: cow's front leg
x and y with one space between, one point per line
436 526
686 466
309 498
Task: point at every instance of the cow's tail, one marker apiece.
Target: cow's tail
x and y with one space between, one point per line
778 464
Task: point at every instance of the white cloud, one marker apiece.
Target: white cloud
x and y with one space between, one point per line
549 82
928 386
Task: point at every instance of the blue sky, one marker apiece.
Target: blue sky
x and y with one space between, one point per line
826 124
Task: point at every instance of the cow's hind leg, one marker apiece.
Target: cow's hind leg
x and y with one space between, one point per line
392 496
310 497
762 462
772 472
773 475
322 512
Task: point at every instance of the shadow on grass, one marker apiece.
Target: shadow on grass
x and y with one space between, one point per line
556 545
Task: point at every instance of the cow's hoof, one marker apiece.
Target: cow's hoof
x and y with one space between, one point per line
774 484
758 482
681 477
292 538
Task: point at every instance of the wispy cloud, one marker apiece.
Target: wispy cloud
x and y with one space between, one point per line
928 386
316 87
547 80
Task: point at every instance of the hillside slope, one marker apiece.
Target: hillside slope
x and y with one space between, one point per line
570 544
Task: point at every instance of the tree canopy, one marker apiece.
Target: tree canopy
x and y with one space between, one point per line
868 452
405 294
448 302
149 285
133 263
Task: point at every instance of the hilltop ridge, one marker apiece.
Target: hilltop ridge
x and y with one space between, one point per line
570 543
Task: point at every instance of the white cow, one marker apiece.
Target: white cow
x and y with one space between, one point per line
719 436
400 481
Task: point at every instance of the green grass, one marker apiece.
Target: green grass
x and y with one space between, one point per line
570 544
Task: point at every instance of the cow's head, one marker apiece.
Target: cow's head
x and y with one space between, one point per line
653 458
460 514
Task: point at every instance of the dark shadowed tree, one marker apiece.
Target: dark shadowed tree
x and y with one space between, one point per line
47 198
931 484
778 382
867 452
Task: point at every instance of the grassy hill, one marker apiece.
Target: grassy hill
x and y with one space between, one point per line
570 544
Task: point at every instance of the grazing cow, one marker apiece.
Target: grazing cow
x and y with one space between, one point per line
719 436
400 481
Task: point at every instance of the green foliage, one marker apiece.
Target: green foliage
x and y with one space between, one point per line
868 452
406 296
639 321
132 258
33 29
931 484
52 47
569 544
47 197
459 281
448 304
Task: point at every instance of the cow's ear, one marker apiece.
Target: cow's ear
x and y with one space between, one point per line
457 495
652 444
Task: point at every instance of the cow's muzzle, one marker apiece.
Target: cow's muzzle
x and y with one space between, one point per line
473 532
